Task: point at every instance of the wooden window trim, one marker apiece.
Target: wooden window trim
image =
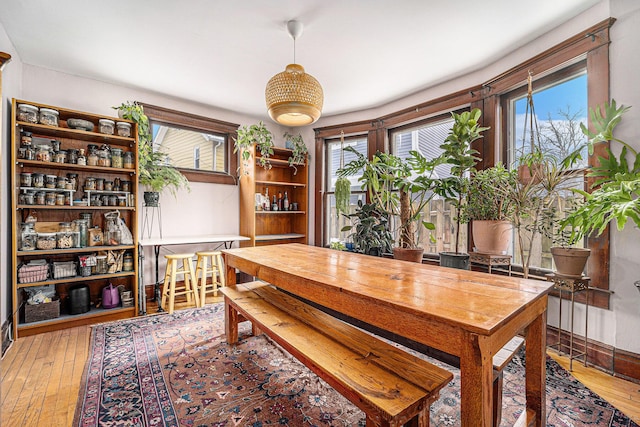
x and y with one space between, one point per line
199 124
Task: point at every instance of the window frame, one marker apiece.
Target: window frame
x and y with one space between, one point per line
193 122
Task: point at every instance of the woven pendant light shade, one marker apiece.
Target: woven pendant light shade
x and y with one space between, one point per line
294 98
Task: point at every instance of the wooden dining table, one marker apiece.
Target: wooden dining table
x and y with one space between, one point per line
467 314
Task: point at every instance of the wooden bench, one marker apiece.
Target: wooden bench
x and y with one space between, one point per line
391 386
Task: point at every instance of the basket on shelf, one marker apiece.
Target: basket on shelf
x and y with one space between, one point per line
29 273
64 269
44 311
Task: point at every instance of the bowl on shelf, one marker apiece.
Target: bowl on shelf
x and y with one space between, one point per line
80 124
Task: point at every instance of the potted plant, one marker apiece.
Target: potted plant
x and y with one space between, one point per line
259 135
616 180
401 189
300 153
489 209
370 225
458 153
155 172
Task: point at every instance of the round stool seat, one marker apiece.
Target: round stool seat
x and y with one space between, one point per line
179 256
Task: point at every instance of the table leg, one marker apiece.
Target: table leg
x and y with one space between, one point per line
142 295
476 382
535 370
156 251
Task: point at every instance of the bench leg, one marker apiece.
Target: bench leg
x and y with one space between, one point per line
498 379
230 322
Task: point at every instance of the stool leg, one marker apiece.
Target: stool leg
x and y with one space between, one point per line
220 272
165 285
172 288
189 282
203 280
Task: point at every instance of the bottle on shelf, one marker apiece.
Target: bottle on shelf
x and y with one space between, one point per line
274 206
266 206
285 202
279 201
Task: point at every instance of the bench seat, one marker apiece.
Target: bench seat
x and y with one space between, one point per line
391 386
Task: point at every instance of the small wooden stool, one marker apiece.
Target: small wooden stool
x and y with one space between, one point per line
169 287
202 270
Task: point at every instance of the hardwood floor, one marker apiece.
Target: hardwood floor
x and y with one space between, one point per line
41 378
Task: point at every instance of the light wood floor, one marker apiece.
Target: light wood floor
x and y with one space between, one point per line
41 379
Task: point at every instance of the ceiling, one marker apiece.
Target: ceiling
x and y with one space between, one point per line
365 53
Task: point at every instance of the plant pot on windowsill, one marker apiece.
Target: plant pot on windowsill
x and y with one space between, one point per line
570 262
454 260
408 254
492 237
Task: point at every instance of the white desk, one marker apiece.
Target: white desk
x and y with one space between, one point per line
225 240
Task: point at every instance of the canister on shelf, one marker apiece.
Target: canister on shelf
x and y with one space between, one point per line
43 154
104 158
25 138
60 199
29 198
82 159
40 198
92 158
127 160
116 158
122 201
101 264
46 241
72 156
106 126
88 217
127 262
100 184
49 117
60 156
26 179
64 237
27 113
89 184
125 186
28 237
38 180
61 182
50 181
124 129
50 199
73 179
108 185
55 145
80 225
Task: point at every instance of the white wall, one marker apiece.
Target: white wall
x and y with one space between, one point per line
211 208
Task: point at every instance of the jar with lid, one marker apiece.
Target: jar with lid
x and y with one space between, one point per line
82 159
80 225
59 199
92 158
60 156
48 117
61 182
127 262
106 126
88 217
125 186
30 198
27 113
101 264
124 129
116 184
116 158
50 199
72 156
104 158
122 201
37 180
40 198
26 179
89 184
127 160
100 184
46 241
25 138
28 237
50 181
95 200
108 185
64 236
113 200
73 179
55 145
43 154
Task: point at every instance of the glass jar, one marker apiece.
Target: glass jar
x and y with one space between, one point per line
108 185
116 158
104 159
25 138
116 184
122 201
43 154
30 198
88 217
72 156
50 181
82 159
60 156
101 264
125 186
59 199
73 179
106 126
61 182
26 179
95 200
38 180
28 237
64 236
46 241
89 184
127 160
127 262
55 145
92 158
124 129
80 225
27 113
50 199
40 198
113 200
100 184
48 117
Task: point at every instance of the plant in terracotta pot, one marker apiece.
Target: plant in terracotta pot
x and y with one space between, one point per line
401 189
259 135
458 153
155 171
489 209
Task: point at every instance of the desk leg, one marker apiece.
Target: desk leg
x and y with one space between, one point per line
476 382
156 252
535 371
142 295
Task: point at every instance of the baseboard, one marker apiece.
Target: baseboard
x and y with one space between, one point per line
620 363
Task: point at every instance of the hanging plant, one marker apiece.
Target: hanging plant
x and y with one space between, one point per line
254 134
299 153
343 185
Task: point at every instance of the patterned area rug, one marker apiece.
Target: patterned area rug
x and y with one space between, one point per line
177 370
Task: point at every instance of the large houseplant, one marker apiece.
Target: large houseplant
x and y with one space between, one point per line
458 153
370 229
401 188
489 209
259 135
155 172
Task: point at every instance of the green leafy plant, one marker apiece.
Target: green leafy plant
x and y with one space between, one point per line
259 135
300 153
616 180
338 246
484 200
458 153
370 226
156 173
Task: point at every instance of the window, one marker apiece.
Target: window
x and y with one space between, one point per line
200 147
333 153
427 138
560 103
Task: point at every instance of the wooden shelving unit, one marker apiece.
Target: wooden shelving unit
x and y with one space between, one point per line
48 215
273 227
